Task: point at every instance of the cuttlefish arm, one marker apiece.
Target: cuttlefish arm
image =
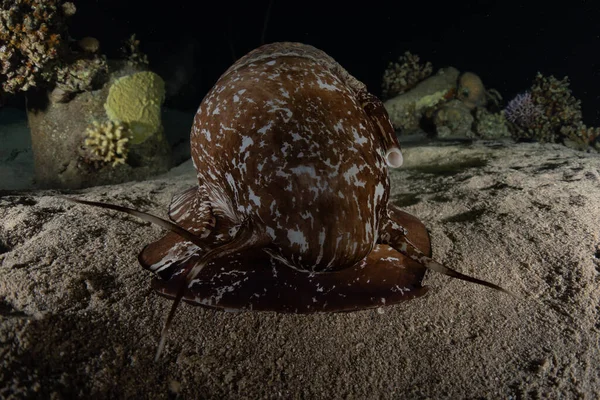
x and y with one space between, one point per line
394 235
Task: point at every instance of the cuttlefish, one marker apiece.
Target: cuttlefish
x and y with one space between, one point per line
291 212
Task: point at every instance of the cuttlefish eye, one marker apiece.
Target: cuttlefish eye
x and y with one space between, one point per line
393 158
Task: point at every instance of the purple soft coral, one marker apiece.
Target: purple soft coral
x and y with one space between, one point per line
522 111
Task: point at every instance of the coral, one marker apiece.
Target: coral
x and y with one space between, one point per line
131 51
549 113
107 142
490 125
33 37
403 75
136 99
83 74
89 44
522 111
453 119
471 90
580 135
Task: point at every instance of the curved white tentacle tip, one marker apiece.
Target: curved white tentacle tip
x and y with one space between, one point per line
393 157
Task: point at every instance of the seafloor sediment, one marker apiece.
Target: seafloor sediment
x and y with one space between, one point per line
78 318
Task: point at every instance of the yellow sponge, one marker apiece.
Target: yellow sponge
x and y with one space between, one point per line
136 100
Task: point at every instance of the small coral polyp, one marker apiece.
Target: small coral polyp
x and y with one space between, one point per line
108 142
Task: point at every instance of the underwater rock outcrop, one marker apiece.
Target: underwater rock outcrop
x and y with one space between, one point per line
60 141
449 104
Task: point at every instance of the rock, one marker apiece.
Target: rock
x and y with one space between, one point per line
58 131
407 109
453 120
471 90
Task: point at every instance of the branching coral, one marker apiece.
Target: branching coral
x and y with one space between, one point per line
108 142
131 51
403 75
32 38
522 110
83 74
34 50
549 113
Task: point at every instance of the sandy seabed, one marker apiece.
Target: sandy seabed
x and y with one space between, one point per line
78 317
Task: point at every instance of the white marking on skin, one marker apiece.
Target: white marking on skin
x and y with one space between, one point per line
358 139
236 98
321 244
297 237
327 86
271 232
253 197
225 128
335 168
281 173
287 111
337 245
275 211
232 184
216 110
339 127
270 62
368 230
264 129
206 134
341 194
304 169
379 192
261 165
180 251
350 176
307 215
284 93
246 141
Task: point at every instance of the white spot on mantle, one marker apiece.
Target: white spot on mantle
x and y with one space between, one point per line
304 169
246 141
264 129
350 176
253 197
297 237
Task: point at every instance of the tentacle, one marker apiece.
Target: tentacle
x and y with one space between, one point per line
248 236
193 211
394 235
163 223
